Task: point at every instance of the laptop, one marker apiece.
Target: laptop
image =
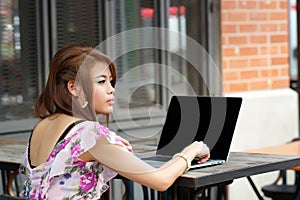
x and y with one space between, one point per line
198 118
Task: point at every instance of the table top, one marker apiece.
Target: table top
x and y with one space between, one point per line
11 153
291 148
240 164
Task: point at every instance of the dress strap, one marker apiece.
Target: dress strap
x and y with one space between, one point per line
63 135
66 131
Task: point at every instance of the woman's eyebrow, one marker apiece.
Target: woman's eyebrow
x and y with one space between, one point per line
103 76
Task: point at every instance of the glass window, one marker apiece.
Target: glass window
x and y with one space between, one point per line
136 66
18 61
75 21
179 75
293 46
151 65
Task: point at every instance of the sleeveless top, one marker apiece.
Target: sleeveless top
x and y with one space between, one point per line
64 175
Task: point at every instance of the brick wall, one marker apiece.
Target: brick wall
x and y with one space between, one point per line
254 44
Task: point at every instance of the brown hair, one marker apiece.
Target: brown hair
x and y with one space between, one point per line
71 63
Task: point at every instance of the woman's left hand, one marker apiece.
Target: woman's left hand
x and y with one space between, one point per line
127 144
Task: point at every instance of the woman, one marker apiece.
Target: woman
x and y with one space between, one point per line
70 154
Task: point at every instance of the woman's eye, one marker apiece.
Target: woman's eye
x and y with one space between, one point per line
112 82
101 81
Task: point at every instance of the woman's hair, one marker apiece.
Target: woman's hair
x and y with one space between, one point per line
71 63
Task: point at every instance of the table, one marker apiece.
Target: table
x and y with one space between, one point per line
239 165
290 148
11 153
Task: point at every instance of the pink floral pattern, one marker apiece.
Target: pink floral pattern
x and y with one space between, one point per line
64 175
88 181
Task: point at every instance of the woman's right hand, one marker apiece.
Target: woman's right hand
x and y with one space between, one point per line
204 153
197 149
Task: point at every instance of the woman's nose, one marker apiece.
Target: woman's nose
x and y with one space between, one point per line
111 89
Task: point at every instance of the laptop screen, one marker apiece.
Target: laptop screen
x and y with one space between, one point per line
201 118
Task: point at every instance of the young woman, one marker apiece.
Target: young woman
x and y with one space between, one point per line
70 155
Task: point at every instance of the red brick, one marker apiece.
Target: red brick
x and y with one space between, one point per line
273 73
249 74
279 61
284 71
283 4
257 62
248 51
237 16
268 4
249 5
238 87
224 17
228 52
281 83
228 5
284 49
258 85
230 75
224 40
268 27
269 50
283 27
279 38
264 73
226 87
238 63
278 16
229 29
237 40
248 28
258 16
224 64
258 39
255 45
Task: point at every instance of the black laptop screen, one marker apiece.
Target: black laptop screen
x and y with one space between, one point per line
201 118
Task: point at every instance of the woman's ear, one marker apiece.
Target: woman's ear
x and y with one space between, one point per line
72 88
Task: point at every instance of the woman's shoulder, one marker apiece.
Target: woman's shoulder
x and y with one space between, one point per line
55 120
89 132
93 127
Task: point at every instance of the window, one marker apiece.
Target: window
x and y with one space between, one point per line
19 80
75 21
137 75
293 43
152 65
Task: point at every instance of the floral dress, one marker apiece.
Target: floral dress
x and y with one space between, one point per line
64 175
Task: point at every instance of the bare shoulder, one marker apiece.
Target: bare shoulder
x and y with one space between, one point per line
55 122
46 134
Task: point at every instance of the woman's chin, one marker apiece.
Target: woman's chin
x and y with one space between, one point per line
105 112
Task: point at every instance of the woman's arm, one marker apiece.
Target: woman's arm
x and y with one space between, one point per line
128 165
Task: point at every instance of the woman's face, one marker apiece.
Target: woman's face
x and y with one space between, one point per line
104 91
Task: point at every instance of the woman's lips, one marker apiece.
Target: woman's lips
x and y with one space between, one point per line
111 101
